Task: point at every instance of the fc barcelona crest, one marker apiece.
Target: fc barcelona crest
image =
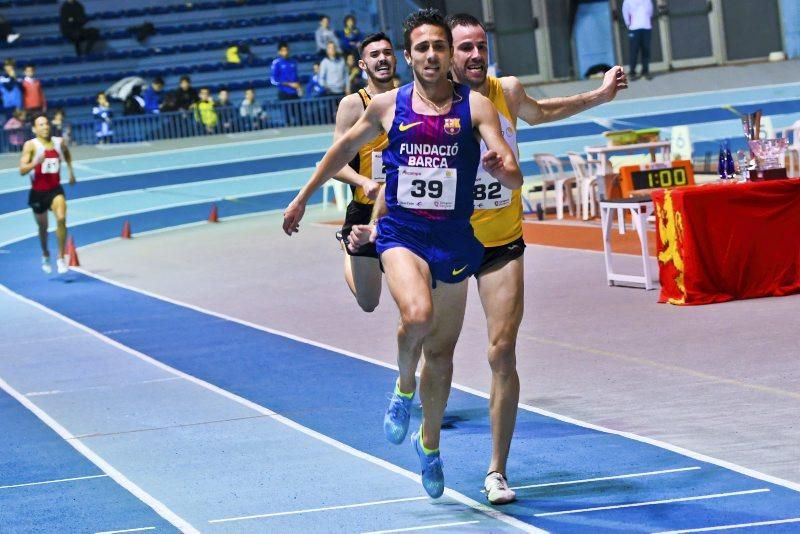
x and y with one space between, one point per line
452 125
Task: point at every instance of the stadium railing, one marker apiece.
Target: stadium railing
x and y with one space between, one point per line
188 123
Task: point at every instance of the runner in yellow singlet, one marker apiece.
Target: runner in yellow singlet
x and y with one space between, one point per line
497 222
365 173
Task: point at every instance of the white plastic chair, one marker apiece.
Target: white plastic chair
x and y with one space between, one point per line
553 174
680 143
586 174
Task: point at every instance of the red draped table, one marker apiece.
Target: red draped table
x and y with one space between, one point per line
720 242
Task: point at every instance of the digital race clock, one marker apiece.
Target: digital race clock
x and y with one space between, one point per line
655 176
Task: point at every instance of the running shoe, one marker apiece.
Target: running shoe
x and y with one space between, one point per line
61 266
46 267
395 422
497 490
431 467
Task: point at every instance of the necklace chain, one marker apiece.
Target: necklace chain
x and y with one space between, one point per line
437 108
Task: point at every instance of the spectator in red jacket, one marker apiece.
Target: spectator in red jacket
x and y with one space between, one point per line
33 99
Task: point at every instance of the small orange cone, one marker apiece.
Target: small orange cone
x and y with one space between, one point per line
212 217
126 230
72 253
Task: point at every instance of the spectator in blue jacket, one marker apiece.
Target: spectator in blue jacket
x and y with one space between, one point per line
153 96
10 89
102 119
313 87
284 74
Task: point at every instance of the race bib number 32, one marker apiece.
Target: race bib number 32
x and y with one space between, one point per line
426 189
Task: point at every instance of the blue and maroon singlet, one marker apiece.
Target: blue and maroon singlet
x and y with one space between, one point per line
431 163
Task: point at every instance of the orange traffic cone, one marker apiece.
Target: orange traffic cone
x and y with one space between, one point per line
72 253
126 230
212 217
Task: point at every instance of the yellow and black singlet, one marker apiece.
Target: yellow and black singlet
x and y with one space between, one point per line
369 161
497 219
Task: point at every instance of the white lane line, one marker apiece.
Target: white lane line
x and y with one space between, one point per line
731 527
463 499
654 503
566 419
598 479
142 529
426 527
157 506
51 481
98 388
312 510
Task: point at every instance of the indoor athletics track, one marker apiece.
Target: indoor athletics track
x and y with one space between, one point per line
125 411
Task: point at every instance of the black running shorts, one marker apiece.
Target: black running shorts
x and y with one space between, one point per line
40 201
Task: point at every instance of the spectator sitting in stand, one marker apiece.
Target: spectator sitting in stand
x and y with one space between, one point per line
204 112
142 32
240 53
6 32
14 128
73 21
225 111
134 104
33 99
251 111
102 119
355 74
154 95
313 87
283 74
333 75
185 94
325 35
10 89
350 37
59 128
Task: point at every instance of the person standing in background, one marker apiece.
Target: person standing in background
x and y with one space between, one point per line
10 89
333 75
351 36
33 99
283 74
638 15
325 35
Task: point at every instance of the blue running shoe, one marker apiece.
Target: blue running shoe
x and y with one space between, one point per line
432 474
395 422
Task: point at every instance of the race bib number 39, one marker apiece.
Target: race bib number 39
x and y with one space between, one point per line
50 166
426 189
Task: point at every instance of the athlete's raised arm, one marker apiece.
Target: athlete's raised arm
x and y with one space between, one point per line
350 110
535 111
343 150
498 160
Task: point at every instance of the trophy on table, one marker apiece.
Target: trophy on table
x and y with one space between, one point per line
766 155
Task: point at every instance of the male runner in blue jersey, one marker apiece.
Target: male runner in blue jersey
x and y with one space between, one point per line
425 240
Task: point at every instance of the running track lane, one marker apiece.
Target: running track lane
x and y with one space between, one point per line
344 397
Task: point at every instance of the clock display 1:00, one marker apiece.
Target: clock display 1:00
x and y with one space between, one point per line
672 177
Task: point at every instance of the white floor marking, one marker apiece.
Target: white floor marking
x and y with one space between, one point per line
426 527
598 479
97 388
731 527
51 481
312 510
463 499
654 503
157 506
660 444
142 529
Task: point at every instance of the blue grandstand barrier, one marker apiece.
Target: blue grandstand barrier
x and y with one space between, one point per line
189 123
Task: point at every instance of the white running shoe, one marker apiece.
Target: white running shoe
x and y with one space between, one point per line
497 490
61 265
46 267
